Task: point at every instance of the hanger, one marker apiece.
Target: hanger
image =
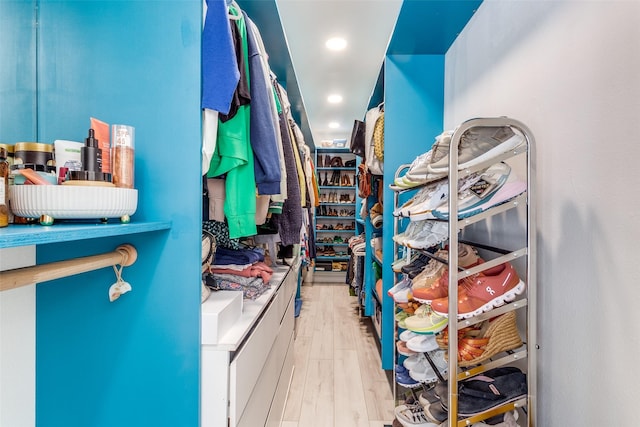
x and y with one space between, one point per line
232 4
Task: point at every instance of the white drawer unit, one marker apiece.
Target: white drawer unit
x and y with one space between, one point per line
246 372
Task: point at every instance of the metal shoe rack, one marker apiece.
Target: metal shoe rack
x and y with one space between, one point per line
525 305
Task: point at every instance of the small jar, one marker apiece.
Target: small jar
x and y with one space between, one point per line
33 152
4 188
10 156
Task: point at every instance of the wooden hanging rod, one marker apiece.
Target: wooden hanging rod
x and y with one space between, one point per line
125 255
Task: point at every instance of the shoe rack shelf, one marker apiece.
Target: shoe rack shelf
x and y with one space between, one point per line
523 259
336 215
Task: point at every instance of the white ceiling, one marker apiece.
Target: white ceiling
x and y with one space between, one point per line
367 26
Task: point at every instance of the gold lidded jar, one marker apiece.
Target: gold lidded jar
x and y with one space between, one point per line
33 152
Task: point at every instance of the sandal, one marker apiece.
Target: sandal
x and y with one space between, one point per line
476 345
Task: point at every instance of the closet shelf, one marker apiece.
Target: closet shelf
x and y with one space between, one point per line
336 217
337 187
493 412
337 168
25 235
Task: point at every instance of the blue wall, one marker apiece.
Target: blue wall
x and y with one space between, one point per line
414 100
17 71
134 362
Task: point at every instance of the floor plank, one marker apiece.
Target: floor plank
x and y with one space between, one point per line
318 399
349 401
337 379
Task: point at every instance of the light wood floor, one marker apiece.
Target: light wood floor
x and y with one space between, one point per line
337 379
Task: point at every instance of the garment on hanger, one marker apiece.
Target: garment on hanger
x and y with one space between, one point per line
220 74
290 220
278 199
242 95
262 125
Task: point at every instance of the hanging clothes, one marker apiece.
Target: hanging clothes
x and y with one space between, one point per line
290 220
242 95
220 74
263 129
233 156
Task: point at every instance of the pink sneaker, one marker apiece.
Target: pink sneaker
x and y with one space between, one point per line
488 289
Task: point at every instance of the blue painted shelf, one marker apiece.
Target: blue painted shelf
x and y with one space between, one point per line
24 235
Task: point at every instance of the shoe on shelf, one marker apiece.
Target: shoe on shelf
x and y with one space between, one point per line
421 343
405 380
477 145
483 291
413 228
432 233
424 373
481 191
425 321
481 342
412 361
336 162
404 283
431 272
406 335
431 197
418 166
506 193
433 286
489 390
412 415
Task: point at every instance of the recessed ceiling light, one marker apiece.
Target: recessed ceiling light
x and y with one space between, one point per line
334 125
336 43
334 98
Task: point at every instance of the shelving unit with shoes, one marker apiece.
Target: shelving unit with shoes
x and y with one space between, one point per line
494 289
335 218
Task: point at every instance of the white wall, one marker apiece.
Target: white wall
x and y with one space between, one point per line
570 70
18 344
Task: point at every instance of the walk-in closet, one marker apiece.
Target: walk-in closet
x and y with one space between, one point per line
318 213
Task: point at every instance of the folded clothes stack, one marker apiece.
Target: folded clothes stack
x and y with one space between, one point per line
240 270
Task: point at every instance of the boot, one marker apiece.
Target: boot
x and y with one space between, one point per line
320 165
325 182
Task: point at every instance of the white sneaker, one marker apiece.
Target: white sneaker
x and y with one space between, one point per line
477 145
421 343
433 198
478 192
412 415
424 373
433 233
406 335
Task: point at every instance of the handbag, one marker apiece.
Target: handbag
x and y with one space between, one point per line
357 142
